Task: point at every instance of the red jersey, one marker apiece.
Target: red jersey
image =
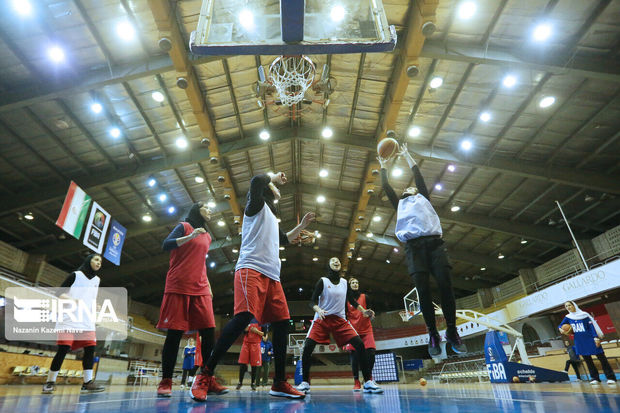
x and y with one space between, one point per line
188 271
251 337
360 323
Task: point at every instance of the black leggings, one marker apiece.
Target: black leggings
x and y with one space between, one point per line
190 373
424 257
243 368
575 365
171 348
233 329
88 361
356 342
355 364
609 372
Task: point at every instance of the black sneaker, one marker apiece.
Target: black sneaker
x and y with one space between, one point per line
91 387
452 337
238 386
253 386
434 347
49 387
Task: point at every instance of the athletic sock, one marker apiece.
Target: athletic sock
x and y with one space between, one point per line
88 375
51 376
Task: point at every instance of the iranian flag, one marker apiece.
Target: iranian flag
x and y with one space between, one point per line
74 210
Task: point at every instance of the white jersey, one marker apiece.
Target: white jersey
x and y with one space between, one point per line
416 218
260 244
85 290
333 299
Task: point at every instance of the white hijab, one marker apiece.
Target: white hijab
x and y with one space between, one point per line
579 314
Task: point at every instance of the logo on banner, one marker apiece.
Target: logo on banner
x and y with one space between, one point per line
116 238
96 229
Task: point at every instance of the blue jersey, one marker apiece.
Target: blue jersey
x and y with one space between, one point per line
585 333
188 358
265 349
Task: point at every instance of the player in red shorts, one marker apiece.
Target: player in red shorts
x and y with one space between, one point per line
329 300
84 284
187 303
364 329
250 353
258 292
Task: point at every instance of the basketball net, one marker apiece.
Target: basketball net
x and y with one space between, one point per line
291 76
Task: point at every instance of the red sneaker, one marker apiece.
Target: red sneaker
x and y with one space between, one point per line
164 389
357 386
216 388
200 387
284 389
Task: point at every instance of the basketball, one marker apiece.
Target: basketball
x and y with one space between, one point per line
515 379
387 148
422 381
567 329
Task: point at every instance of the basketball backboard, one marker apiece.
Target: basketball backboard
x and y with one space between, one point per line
291 27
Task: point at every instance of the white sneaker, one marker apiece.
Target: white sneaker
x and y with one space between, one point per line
371 387
594 382
304 386
610 381
182 387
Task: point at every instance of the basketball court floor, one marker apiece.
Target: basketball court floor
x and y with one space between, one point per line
474 397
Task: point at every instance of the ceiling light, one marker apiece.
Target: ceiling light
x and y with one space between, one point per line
264 135
235 250
221 223
359 258
436 82
451 168
151 182
483 268
500 256
485 116
438 186
466 144
146 218
157 96
315 259
279 220
96 107
327 132
56 54
275 201
171 210
323 173
370 235
318 234
199 179
320 199
387 261
212 265
396 250
162 197
467 9
211 204
283 259
337 13
125 30
376 218
29 216
414 131
115 132
300 290
396 172
282 248
509 80
181 143
588 198
246 18
523 241
22 7
542 32
546 101
455 208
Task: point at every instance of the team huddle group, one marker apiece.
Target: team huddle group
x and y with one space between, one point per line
340 309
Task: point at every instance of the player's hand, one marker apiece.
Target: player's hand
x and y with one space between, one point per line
597 342
198 231
368 313
403 150
382 162
278 178
321 313
307 219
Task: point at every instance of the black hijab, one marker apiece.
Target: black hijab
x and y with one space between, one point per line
194 218
334 276
86 268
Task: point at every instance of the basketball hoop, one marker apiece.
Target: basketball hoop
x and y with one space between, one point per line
291 76
405 315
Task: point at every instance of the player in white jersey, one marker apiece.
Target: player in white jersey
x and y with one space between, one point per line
329 301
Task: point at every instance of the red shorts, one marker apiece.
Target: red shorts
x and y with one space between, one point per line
77 340
186 312
250 354
340 328
259 295
369 341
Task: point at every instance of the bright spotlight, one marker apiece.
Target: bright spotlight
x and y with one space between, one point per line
181 143
467 9
436 82
327 132
466 144
509 81
546 101
541 32
337 13
246 18
125 31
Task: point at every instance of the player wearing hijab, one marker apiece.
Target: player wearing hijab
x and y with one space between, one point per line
329 300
